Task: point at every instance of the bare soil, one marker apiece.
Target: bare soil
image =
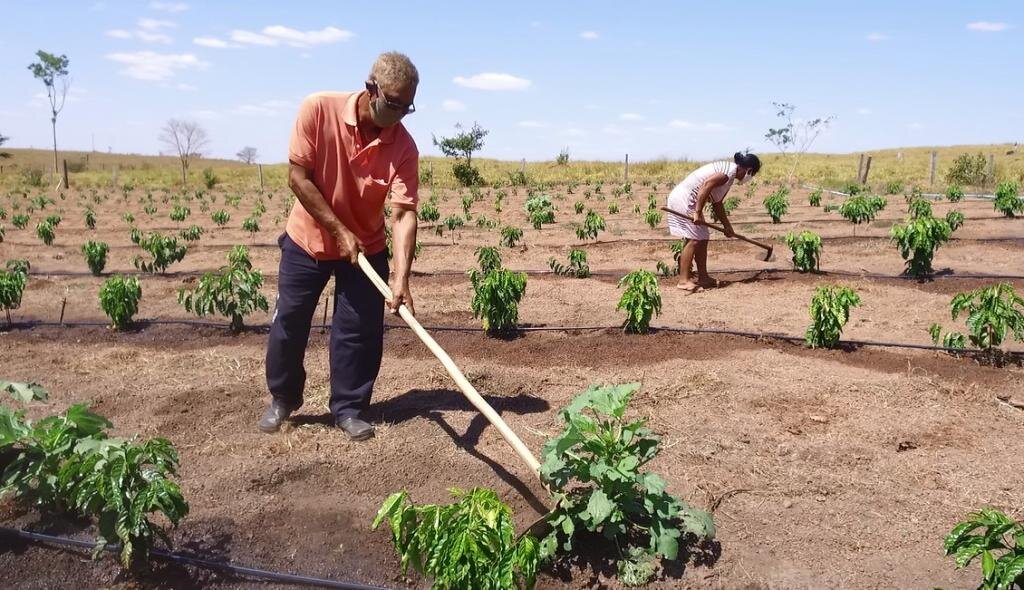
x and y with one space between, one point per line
827 468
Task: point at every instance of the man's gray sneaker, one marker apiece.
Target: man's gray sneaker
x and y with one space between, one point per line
355 428
276 413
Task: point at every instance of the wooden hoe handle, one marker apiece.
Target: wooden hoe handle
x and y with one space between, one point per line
467 388
717 227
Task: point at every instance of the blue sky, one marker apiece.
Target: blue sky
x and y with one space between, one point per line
654 79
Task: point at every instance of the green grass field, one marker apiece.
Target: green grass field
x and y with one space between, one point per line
909 166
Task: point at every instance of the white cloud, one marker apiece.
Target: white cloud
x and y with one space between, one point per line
631 117
680 124
149 31
987 27
154 24
683 124
213 42
274 35
147 65
171 7
531 124
119 34
452 106
493 81
187 87
863 111
589 35
876 37
147 37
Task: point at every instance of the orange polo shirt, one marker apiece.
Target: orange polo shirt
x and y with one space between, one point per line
354 178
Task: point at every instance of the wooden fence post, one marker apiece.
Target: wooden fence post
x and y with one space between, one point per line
867 169
430 167
931 172
860 168
522 167
67 184
626 172
992 169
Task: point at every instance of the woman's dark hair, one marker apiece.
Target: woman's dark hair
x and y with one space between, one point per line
748 160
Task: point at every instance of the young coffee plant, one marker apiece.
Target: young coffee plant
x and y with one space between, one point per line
164 250
128 218
998 540
613 208
251 225
20 221
45 232
510 236
191 234
814 199
428 212
955 219
90 218
119 299
592 225
220 217
468 544
954 340
777 204
496 297
488 258
594 469
453 222
12 286
919 238
233 292
1007 200
641 300
539 211
806 247
578 207
577 266
861 208
652 217
830 310
955 193
95 254
993 313
179 213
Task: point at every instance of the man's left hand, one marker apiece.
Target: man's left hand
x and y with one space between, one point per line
400 296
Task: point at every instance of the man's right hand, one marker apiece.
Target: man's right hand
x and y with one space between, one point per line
348 246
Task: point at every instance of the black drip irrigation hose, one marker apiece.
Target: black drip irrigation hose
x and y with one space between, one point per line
528 329
199 562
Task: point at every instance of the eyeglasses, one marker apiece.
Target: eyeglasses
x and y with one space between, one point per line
405 109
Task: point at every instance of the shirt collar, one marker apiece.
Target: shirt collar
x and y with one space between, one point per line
351 118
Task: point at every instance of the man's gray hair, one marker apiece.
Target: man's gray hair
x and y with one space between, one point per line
394 70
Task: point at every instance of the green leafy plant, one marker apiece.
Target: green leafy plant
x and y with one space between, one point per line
999 543
461 147
947 340
119 299
578 207
220 217
955 219
468 544
577 266
210 179
95 254
814 199
179 213
955 193
510 236
806 247
830 310
428 212
594 469
45 232
893 187
164 250
488 258
128 218
777 204
149 210
613 208
540 210
467 204
496 297
233 292
861 208
652 217
90 218
592 225
20 221
729 204
453 222
12 285
920 237
993 313
967 170
1007 200
191 234
251 225
641 300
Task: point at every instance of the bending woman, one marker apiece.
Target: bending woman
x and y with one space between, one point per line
710 182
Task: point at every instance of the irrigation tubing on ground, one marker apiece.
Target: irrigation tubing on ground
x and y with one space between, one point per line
526 329
199 562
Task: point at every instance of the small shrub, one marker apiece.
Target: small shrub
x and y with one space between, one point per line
164 250
993 313
233 292
1007 201
95 254
45 231
919 238
179 213
955 193
955 219
893 187
613 208
251 225
488 258
540 210
578 207
577 267
967 170
466 174
119 299
210 179
815 198
592 225
830 310
1000 544
20 221
777 204
220 217
510 236
806 247
641 300
90 218
428 212
652 217
12 285
496 297
861 208
128 218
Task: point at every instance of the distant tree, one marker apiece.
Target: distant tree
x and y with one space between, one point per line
247 154
461 146
3 140
187 139
795 137
52 70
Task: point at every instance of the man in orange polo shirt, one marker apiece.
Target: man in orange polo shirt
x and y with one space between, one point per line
348 154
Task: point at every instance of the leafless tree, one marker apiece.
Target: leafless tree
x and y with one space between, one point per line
187 139
52 71
248 154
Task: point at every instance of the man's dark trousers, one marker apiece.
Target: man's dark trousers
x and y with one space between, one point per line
357 329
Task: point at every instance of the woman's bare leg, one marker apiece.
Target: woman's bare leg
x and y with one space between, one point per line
690 251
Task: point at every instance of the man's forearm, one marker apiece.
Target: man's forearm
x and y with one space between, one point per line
316 205
403 241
